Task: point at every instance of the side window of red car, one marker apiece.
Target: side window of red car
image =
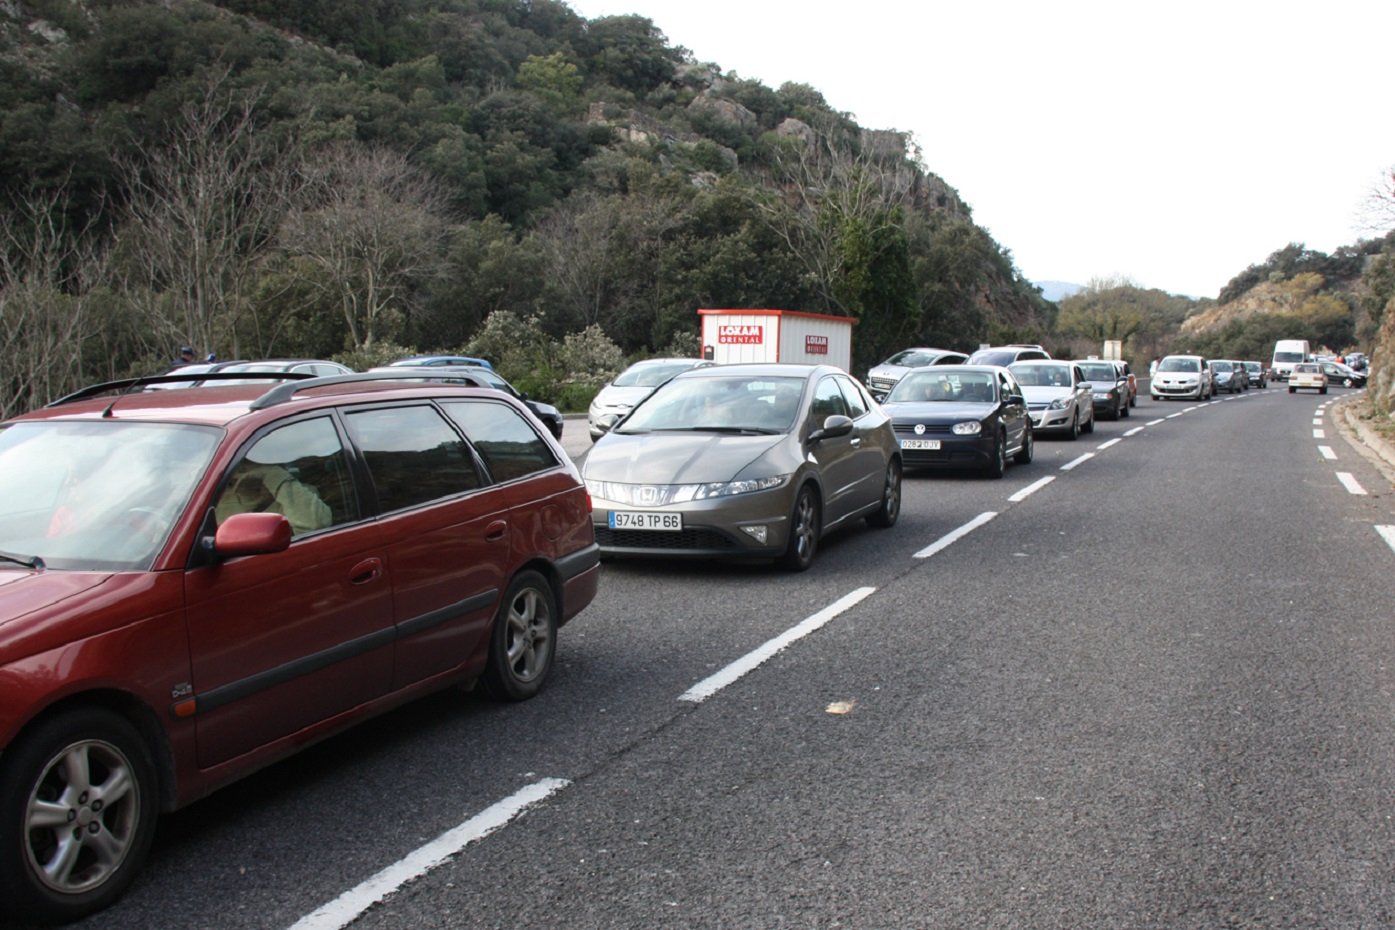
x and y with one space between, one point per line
298 470
413 454
510 447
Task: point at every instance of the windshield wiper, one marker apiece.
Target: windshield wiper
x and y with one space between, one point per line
32 561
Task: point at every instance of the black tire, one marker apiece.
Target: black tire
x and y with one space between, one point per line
1124 412
1024 454
1291 389
890 509
803 542
523 643
1089 427
1322 390
1074 433
112 806
998 463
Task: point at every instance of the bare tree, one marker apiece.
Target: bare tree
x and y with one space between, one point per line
372 228
1377 212
47 274
201 214
830 180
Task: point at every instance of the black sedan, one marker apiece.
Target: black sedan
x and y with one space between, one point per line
961 416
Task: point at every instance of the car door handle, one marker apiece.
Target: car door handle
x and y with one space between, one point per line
366 571
496 531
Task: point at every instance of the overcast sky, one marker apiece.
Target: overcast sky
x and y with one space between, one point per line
1174 144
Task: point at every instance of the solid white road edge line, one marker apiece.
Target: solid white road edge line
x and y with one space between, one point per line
1030 489
346 908
1350 483
752 660
1388 534
952 537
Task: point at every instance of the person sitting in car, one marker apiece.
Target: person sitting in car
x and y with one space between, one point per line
257 488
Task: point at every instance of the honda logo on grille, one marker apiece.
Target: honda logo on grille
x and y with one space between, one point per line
648 495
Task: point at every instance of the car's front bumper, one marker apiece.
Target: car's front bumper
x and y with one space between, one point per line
954 451
1047 420
724 527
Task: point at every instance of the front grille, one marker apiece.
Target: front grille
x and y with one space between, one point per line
698 539
931 429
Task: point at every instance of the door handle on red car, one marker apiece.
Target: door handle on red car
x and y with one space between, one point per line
496 530
366 571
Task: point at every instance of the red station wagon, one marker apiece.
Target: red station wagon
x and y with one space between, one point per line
195 584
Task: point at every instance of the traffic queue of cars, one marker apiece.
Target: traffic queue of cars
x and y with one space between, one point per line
197 583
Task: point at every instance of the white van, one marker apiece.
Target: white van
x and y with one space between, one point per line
1287 353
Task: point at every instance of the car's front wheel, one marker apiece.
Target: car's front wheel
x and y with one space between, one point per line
78 803
804 532
997 464
1024 454
523 643
890 508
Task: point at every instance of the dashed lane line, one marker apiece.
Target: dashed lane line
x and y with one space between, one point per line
1350 483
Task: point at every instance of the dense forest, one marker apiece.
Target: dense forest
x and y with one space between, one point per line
359 179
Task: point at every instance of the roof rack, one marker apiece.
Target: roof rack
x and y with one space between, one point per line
133 385
284 393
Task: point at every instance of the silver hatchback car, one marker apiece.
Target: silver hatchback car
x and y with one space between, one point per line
744 461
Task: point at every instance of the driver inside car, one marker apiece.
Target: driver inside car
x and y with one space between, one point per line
256 488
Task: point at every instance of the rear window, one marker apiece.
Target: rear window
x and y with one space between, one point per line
413 455
510 447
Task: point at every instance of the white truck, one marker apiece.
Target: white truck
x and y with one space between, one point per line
1287 353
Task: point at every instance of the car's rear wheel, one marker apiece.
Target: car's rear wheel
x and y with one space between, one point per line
804 532
891 498
78 803
523 644
1024 454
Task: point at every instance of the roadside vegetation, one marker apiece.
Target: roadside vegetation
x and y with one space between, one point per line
361 180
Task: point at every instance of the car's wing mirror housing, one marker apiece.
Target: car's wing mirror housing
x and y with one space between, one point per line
252 534
833 427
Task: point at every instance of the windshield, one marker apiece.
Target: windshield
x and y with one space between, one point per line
1100 372
1178 363
1288 357
913 358
1042 375
728 404
96 495
651 375
934 387
1002 357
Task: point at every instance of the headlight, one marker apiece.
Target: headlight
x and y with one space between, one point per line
659 495
1058 404
971 428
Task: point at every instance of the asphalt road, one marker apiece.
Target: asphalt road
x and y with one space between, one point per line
1148 684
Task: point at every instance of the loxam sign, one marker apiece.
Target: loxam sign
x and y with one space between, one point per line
740 334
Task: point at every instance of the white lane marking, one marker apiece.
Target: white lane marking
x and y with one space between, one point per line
1388 534
1031 489
755 658
1113 442
1173 416
1155 422
1327 453
1317 421
955 535
1350 483
1069 466
346 908
1135 431
1319 434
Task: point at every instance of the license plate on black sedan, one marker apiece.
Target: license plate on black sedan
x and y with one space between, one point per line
920 444
645 520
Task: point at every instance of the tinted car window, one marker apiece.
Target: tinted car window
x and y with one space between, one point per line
299 470
857 404
510 447
828 401
413 455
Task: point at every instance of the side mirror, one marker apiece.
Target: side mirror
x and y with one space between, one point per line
252 534
1014 399
833 427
